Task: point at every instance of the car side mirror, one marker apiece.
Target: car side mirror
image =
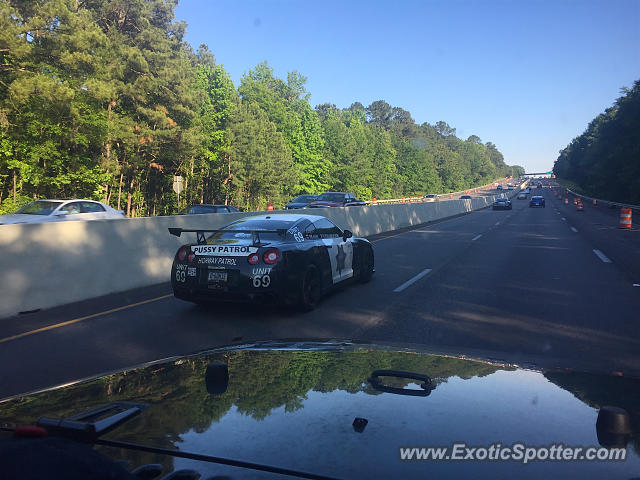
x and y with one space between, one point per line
347 234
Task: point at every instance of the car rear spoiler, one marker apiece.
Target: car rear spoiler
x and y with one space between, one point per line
202 240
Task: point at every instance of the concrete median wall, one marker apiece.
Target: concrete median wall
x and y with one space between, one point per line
49 264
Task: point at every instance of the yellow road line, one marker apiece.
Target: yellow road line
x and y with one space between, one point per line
87 317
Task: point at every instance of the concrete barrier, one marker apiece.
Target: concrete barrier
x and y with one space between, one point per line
50 264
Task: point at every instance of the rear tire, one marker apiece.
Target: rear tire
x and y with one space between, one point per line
310 289
366 266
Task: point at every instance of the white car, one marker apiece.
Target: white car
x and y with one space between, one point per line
431 197
41 211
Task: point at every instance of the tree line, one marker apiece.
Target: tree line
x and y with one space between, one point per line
104 99
604 162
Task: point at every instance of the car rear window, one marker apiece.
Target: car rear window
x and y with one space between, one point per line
283 227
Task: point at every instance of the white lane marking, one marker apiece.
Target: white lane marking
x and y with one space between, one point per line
574 229
410 282
564 219
497 223
476 237
601 256
636 284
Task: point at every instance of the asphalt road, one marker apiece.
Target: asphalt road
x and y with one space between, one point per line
519 286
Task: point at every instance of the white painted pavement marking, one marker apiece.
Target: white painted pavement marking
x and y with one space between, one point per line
410 282
497 223
601 256
564 219
574 229
636 284
476 237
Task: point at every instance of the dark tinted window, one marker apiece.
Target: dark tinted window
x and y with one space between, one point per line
40 207
198 209
91 207
304 199
326 229
310 233
332 197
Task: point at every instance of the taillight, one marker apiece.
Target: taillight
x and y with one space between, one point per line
191 257
271 256
182 254
253 259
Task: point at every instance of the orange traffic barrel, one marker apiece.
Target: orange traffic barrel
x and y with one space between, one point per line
594 202
575 200
580 206
566 201
269 206
625 218
403 199
375 201
467 192
450 195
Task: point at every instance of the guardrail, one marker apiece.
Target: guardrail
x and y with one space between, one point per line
598 200
441 196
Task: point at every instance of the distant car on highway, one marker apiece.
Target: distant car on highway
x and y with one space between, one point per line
466 197
336 199
202 209
430 197
301 201
522 196
536 201
288 258
510 187
502 204
499 187
41 211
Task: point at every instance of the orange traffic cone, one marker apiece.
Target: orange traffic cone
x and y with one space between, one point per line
625 218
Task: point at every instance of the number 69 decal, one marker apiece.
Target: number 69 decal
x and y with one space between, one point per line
181 276
261 281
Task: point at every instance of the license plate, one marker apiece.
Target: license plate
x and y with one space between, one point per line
217 276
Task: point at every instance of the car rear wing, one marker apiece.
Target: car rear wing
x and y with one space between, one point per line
202 240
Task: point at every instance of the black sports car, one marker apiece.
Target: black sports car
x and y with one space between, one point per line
502 204
291 259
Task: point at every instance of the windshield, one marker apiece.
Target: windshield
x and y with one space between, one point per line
304 199
331 197
198 209
356 127
40 207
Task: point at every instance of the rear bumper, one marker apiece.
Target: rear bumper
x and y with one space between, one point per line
239 287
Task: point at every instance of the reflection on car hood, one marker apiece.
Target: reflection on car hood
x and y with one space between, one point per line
294 405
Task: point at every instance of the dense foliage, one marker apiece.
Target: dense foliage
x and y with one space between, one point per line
604 161
104 99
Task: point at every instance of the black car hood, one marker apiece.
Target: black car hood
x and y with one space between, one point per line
293 405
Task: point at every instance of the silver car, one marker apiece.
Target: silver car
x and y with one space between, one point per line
431 197
41 211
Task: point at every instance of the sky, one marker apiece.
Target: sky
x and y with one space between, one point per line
526 75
